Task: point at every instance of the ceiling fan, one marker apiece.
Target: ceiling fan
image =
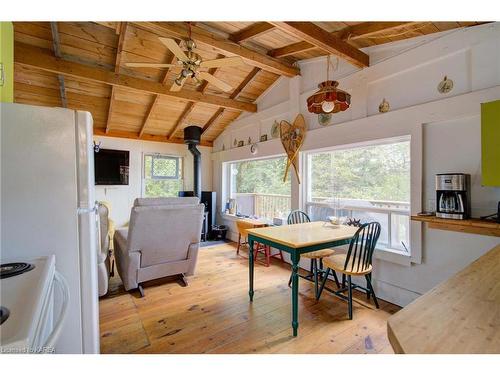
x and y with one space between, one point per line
191 64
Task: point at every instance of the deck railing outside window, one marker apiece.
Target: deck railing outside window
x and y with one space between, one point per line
263 205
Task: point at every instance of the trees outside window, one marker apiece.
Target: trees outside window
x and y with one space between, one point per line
259 189
370 183
162 176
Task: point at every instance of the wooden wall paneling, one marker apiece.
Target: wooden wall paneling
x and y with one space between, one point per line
118 57
58 54
225 47
349 33
145 137
156 100
252 31
38 58
324 40
217 115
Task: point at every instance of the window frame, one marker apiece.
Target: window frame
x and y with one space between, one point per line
227 180
306 188
180 167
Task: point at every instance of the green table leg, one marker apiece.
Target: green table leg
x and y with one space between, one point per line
295 292
250 268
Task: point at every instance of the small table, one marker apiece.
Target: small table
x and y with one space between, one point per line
297 239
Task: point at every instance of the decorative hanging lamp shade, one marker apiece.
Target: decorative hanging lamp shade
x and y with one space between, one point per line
328 99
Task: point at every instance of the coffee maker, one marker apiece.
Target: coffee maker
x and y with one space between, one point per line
453 196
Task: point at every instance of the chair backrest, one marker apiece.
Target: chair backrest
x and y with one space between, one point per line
361 247
242 227
103 211
164 233
298 217
165 201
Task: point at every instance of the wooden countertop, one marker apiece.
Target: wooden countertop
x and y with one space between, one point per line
306 234
460 315
474 226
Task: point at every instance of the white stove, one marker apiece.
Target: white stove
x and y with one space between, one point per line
26 298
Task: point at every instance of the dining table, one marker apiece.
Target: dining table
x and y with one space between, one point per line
297 239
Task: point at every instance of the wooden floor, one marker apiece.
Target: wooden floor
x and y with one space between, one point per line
213 314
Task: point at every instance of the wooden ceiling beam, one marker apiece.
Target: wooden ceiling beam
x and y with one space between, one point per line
145 137
354 32
57 52
121 29
40 58
237 91
366 29
226 47
251 31
155 100
321 38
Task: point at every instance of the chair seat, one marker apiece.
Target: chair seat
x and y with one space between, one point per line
336 262
318 254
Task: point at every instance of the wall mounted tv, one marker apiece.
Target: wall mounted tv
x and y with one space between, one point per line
111 167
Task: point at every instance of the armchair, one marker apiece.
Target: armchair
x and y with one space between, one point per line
162 239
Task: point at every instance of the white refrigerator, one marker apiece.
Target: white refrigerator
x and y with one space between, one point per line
48 207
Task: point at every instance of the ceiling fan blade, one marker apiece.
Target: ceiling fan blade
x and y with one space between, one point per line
219 63
176 87
151 65
215 81
174 47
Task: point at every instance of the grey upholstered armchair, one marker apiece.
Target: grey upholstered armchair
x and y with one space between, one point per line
162 240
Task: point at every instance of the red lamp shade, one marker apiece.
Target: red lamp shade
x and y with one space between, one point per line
328 96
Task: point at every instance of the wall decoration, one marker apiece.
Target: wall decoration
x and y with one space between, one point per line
249 141
445 86
324 119
223 147
328 99
384 106
241 143
254 149
275 130
292 138
235 143
263 137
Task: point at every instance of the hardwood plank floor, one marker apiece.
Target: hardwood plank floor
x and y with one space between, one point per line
213 314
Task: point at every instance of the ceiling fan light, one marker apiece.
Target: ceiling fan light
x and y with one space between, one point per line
178 81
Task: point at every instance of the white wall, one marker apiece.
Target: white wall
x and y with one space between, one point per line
122 197
445 131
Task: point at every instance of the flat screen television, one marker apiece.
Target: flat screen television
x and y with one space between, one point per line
111 167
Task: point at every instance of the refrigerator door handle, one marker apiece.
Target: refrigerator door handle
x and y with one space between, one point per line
85 210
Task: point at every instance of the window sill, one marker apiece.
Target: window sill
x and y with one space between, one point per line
392 256
228 216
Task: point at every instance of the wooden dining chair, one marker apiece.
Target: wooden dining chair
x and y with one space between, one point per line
299 217
357 262
243 226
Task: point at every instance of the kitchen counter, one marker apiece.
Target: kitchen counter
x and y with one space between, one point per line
474 226
460 315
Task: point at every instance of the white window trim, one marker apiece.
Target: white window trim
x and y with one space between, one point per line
226 179
382 253
143 169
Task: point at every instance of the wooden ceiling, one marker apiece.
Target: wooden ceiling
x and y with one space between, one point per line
81 65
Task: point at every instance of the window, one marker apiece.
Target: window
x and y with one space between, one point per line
258 187
369 182
162 175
